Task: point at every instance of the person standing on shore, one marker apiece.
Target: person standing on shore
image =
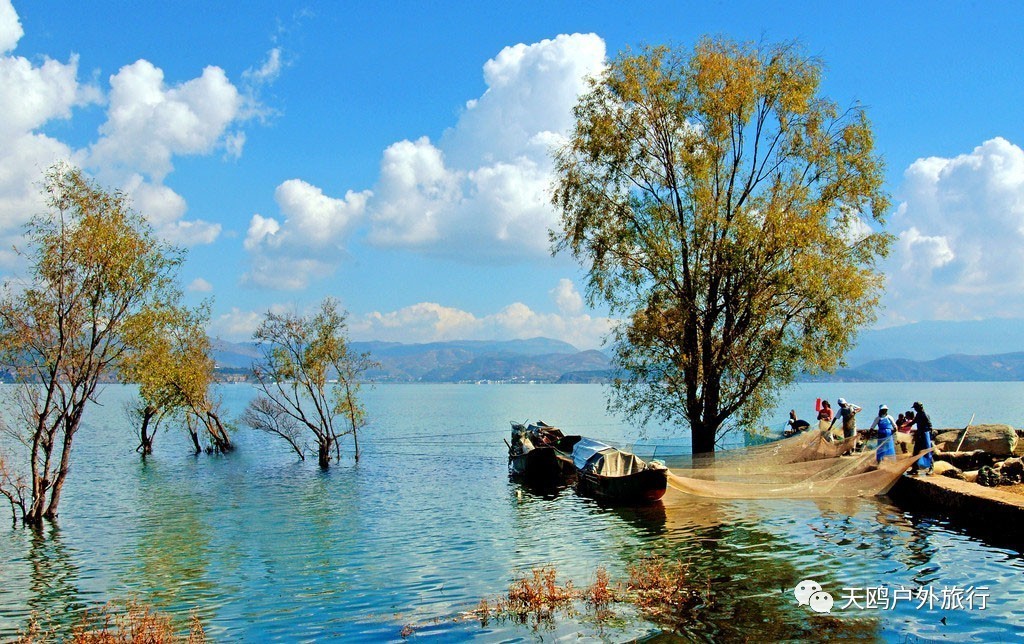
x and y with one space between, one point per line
848 412
886 427
824 414
922 440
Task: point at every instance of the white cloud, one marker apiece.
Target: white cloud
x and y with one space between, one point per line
10 27
166 209
236 325
961 233
567 298
149 123
32 94
199 285
479 194
262 231
482 191
432 322
267 72
287 255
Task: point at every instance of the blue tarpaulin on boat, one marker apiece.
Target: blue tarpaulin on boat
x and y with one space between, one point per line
585 449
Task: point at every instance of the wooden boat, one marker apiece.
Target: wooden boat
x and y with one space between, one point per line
615 476
541 454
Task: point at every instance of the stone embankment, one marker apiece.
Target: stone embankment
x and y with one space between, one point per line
979 475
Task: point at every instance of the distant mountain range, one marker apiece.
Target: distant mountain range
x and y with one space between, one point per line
534 360
989 350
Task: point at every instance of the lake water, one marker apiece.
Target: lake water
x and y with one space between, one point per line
427 524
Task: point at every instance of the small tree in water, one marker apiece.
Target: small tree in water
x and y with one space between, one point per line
95 265
301 357
172 365
721 208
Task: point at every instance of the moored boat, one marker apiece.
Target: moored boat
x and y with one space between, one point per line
609 474
541 454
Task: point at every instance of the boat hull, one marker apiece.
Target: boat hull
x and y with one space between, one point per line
541 465
647 486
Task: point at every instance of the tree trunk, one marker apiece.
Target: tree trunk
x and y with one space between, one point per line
193 432
219 435
703 437
71 425
145 438
323 453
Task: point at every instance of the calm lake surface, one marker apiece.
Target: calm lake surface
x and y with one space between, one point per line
265 547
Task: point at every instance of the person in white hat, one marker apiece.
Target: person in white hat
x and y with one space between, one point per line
886 427
848 412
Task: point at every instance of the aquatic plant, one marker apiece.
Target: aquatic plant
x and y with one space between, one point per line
662 590
118 623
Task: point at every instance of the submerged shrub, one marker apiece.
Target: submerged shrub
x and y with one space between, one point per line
134 623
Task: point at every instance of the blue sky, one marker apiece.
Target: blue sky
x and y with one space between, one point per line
393 154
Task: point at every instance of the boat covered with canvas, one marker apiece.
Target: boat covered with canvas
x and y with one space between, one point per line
609 474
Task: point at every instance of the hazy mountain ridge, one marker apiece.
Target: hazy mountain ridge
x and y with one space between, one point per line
1005 367
985 350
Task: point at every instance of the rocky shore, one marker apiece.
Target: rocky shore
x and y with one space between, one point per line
978 477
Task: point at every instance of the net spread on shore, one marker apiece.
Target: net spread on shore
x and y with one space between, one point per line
803 466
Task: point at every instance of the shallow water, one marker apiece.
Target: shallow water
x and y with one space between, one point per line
427 524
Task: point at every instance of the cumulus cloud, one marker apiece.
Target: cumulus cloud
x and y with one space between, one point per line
960 224
148 123
306 245
432 322
478 194
32 94
481 192
10 27
166 209
199 285
235 325
567 298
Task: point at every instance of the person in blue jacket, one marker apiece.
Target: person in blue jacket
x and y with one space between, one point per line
886 427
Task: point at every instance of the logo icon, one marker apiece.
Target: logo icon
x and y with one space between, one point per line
809 593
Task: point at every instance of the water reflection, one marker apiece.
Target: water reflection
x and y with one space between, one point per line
171 561
53 585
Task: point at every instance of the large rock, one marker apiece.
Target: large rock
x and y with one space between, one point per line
998 440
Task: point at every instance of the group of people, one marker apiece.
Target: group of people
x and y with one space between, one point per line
914 421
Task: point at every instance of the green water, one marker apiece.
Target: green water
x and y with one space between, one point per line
264 547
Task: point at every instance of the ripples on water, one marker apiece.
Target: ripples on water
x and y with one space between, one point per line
427 524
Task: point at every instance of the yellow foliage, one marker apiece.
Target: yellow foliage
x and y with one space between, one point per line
730 215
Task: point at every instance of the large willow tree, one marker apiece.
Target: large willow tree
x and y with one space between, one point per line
725 212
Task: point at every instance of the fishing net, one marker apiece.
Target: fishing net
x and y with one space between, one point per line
807 465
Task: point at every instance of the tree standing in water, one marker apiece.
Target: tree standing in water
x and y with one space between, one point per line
722 209
301 356
172 365
95 265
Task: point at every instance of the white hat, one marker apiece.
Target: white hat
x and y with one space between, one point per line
841 401
883 408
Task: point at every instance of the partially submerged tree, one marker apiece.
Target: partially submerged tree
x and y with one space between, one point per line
722 209
170 360
309 378
94 265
